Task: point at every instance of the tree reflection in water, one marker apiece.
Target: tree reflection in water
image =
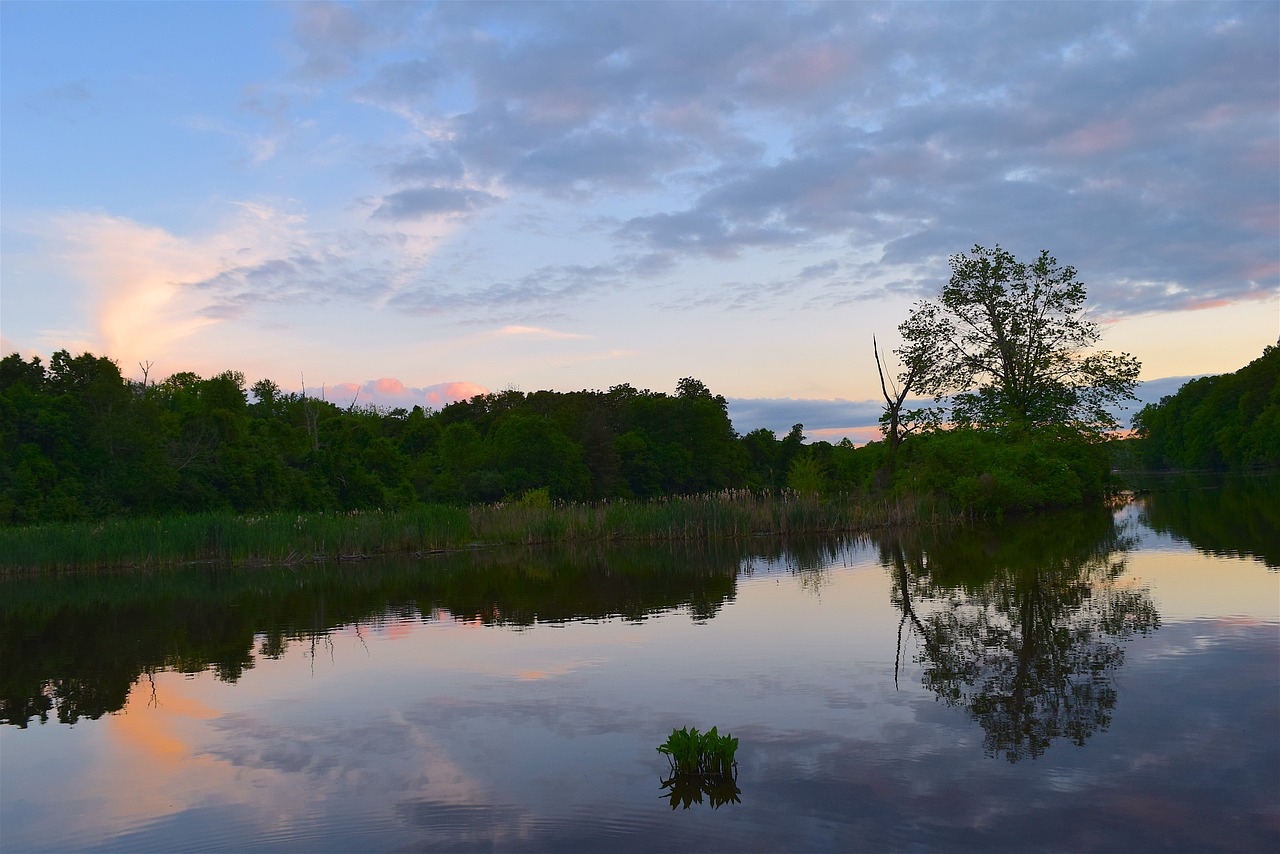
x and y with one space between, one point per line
1021 624
1232 514
75 646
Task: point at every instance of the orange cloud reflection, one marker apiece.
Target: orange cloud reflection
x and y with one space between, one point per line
146 723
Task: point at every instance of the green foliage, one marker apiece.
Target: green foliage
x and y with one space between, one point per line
292 537
83 444
701 753
88 444
983 473
1230 421
806 475
536 498
702 763
1008 346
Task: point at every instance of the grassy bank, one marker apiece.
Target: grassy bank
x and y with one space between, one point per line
295 538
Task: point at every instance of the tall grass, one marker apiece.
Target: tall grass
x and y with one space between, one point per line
294 538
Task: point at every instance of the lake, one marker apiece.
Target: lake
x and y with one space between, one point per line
1084 681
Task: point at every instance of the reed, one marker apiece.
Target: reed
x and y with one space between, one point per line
290 538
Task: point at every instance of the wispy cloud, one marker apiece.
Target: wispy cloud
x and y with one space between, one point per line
537 332
420 202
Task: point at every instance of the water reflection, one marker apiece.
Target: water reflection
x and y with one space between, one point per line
685 790
1022 624
465 703
1234 515
74 646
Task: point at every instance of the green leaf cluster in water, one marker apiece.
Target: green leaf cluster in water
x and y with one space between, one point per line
702 763
693 752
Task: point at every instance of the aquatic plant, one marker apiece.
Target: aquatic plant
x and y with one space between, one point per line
702 763
700 753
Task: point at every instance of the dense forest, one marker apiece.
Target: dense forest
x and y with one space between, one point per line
1230 421
82 442
86 442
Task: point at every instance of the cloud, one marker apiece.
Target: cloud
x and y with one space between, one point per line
421 202
1136 139
427 164
147 289
537 332
130 275
833 420
590 158
258 148
819 417
335 37
391 393
814 271
547 285
297 264
491 164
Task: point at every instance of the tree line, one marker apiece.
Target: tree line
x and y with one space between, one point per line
82 441
1231 421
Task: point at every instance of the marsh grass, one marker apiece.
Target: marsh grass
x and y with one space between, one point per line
288 538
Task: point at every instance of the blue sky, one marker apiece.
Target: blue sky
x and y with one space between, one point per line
423 201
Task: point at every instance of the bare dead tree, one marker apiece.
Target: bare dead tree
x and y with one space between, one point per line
893 402
310 415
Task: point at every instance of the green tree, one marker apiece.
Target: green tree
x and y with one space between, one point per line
1009 344
532 452
806 475
1227 421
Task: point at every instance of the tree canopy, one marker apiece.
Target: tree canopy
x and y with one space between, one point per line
1008 344
1227 421
80 441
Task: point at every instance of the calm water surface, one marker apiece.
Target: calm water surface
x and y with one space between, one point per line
1089 681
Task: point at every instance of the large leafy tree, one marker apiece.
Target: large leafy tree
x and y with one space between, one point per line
1010 344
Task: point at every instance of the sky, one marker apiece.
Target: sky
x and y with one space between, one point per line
410 204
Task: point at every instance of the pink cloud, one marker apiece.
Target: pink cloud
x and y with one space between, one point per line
1094 138
391 393
805 68
857 435
341 390
1259 272
439 395
1197 305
